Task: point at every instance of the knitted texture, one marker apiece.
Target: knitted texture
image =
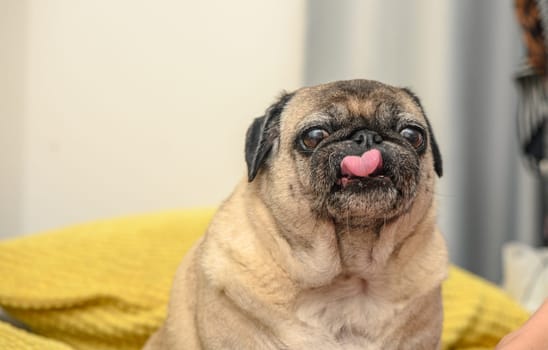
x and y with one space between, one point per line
12 338
105 285
101 285
477 314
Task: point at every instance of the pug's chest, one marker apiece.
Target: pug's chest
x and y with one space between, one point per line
352 318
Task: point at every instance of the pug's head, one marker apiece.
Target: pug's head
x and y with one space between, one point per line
348 149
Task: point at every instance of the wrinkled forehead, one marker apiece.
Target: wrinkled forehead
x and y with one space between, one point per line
369 100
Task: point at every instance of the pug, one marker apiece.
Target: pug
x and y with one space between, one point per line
331 240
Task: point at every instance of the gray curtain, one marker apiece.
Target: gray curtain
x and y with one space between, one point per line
459 56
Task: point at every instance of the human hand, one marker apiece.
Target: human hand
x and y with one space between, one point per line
533 335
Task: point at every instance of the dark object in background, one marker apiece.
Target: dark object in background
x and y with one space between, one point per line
532 116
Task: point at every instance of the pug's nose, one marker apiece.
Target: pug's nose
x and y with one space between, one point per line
366 138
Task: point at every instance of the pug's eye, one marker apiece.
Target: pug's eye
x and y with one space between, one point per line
311 138
414 136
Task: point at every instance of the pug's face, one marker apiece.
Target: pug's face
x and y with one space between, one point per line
350 149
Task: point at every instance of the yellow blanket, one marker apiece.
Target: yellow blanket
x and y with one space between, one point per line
105 285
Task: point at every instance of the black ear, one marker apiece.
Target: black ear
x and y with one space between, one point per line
438 166
438 163
262 134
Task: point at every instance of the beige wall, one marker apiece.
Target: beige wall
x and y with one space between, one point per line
13 34
118 107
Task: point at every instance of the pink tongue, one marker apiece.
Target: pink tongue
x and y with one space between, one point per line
362 166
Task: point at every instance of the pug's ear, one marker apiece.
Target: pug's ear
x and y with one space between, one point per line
438 163
262 134
436 154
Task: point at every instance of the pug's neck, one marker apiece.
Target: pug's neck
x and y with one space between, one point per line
316 255
367 247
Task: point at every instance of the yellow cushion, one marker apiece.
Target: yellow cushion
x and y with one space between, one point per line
105 285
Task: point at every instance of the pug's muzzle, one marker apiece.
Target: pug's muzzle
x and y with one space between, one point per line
380 168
